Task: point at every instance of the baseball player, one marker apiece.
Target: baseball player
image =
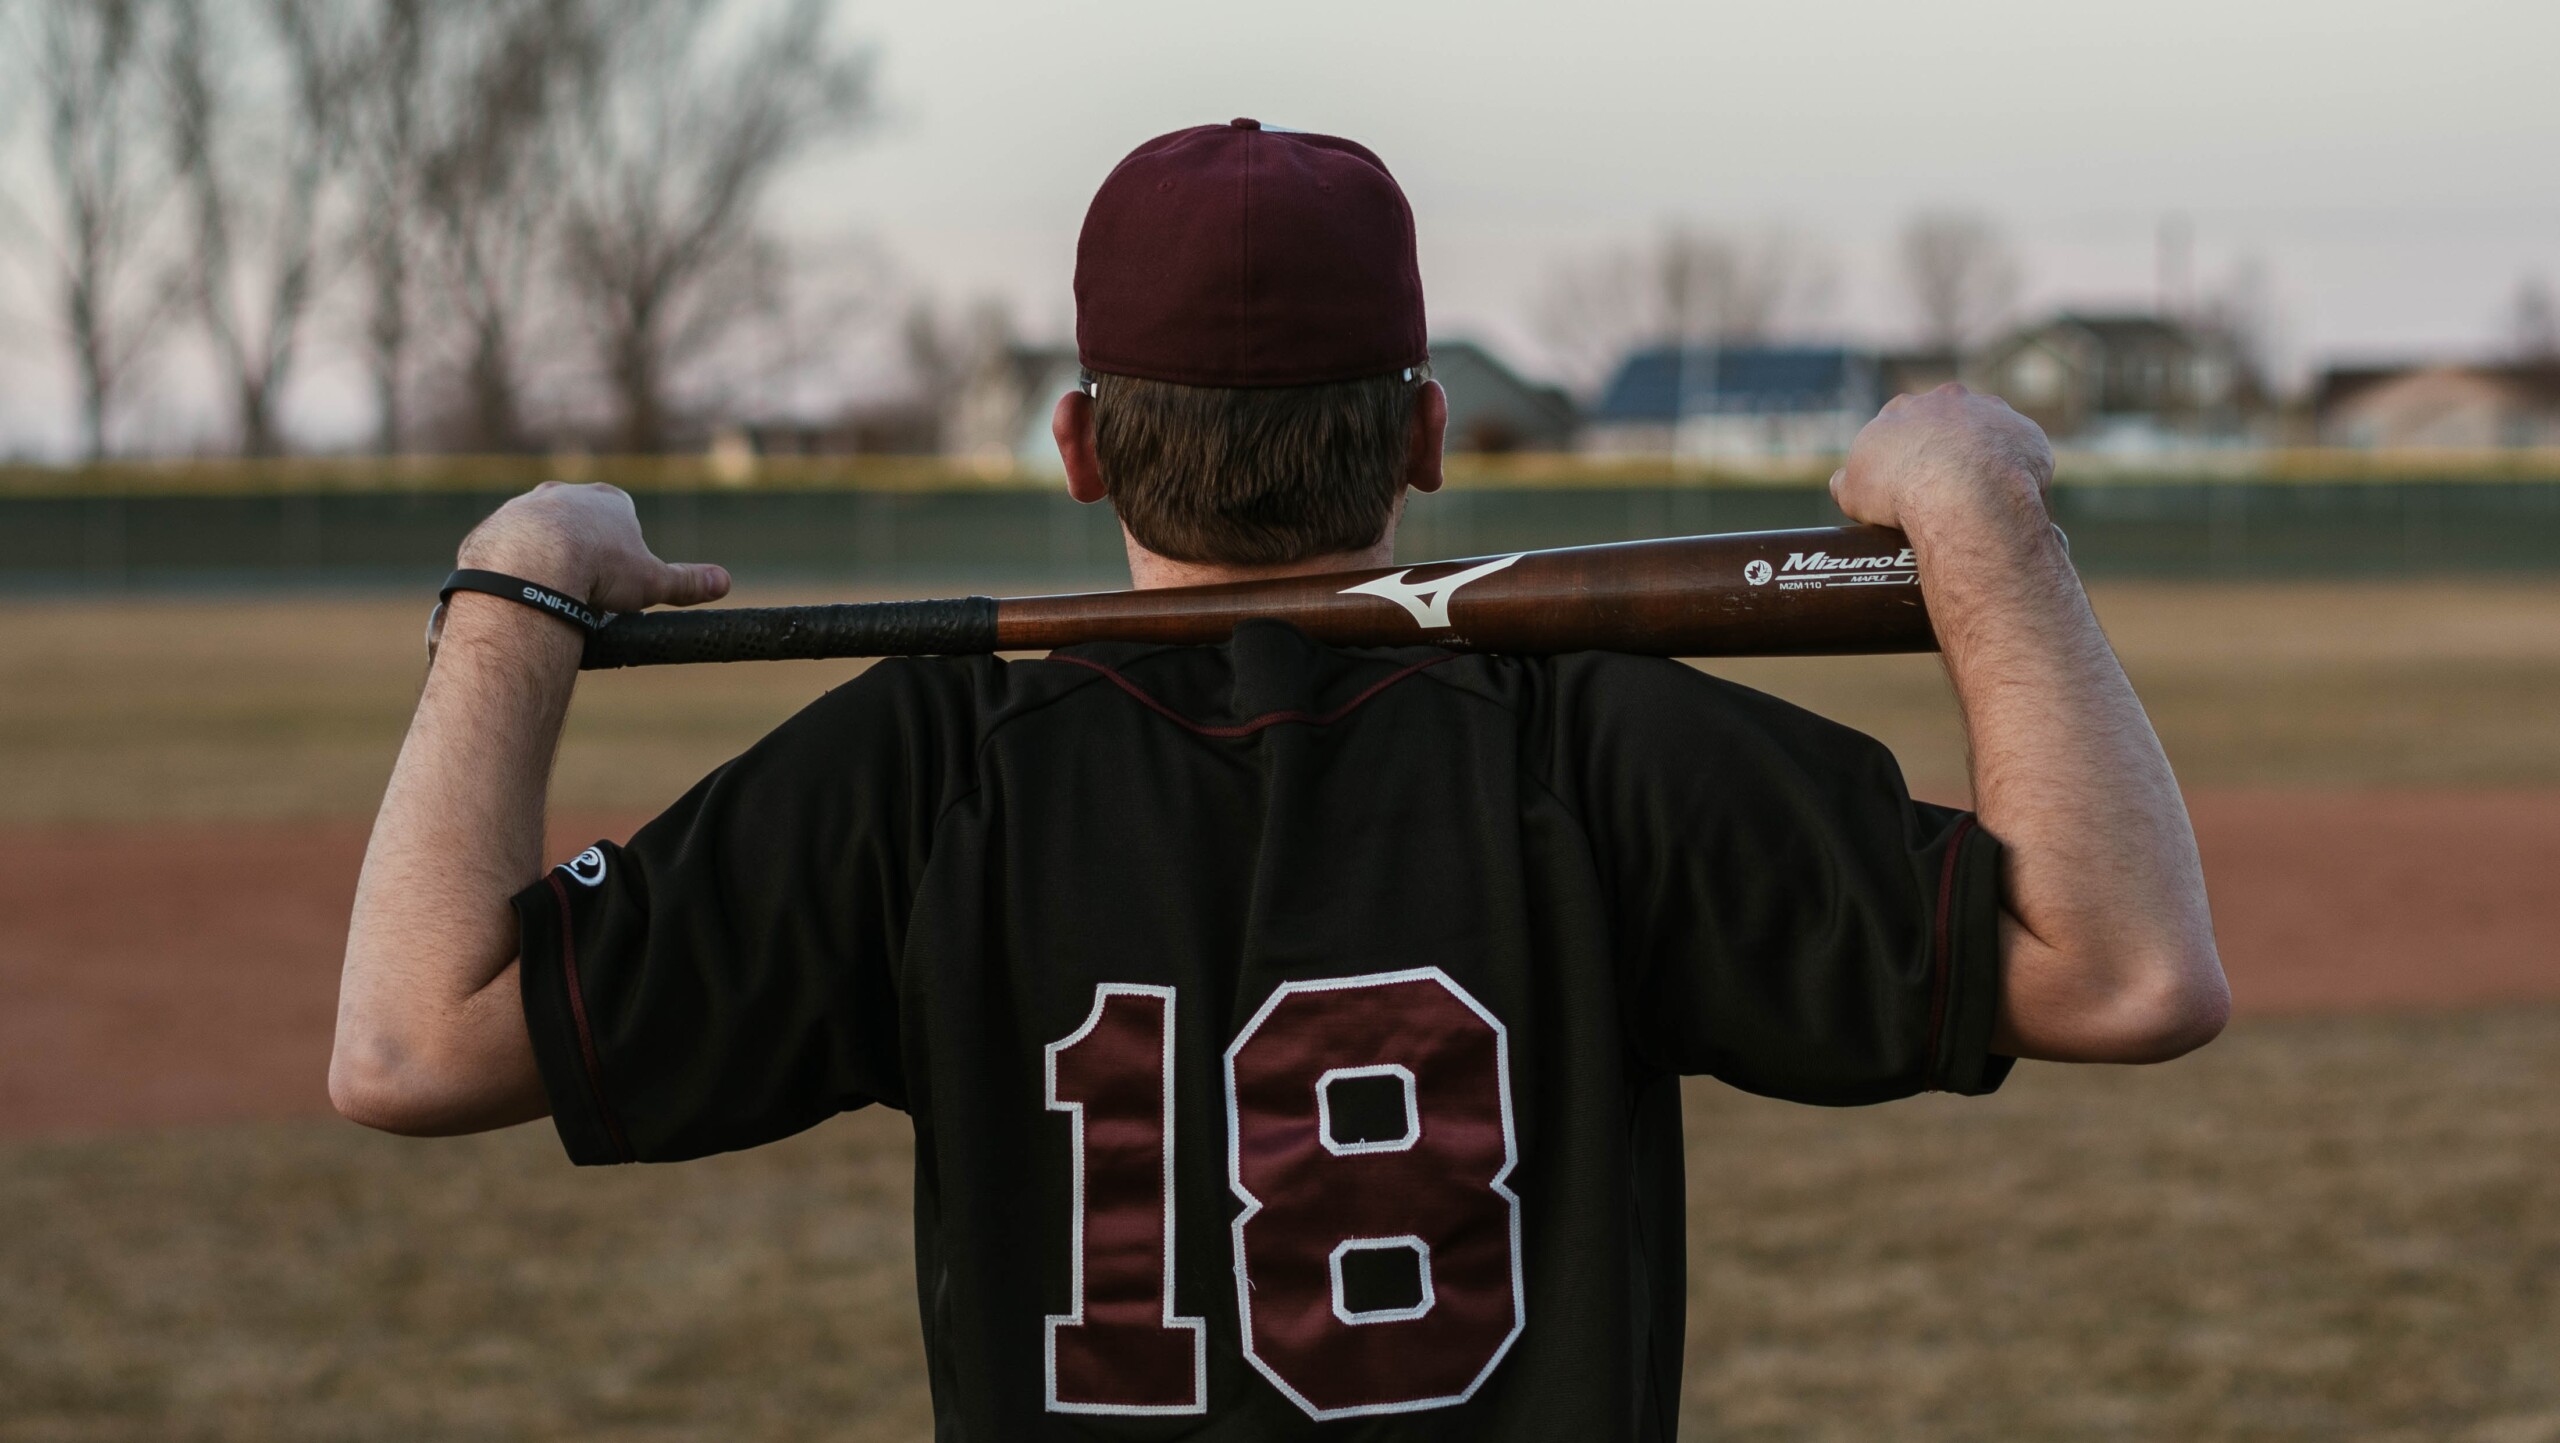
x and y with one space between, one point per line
1293 1035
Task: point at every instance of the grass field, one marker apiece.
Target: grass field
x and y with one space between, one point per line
2324 1227
153 710
2339 1228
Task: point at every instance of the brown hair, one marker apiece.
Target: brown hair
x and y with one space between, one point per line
1254 476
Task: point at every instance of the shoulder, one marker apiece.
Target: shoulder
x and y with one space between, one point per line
975 693
1618 693
931 712
1597 724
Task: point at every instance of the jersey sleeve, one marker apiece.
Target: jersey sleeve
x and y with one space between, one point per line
1788 919
728 977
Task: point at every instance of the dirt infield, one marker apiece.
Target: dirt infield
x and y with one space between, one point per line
2336 1224
188 973
2375 769
2337 1229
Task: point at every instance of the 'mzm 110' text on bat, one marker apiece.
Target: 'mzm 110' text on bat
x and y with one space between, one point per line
1827 591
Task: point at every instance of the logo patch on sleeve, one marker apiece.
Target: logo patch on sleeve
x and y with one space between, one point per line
587 868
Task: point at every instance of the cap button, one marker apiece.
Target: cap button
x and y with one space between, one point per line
1245 123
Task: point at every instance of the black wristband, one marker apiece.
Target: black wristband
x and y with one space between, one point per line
525 593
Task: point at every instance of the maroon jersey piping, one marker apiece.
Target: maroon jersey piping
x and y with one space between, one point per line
578 1011
1267 719
1943 965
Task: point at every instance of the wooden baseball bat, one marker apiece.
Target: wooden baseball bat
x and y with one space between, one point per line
1826 591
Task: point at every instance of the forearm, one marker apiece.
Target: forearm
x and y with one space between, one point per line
431 1029
431 1036
2109 951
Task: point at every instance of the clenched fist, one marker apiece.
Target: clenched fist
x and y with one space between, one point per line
585 540
1950 452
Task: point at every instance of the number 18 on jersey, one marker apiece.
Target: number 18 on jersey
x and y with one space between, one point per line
1369 1139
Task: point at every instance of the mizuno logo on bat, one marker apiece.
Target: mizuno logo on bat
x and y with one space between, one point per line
1429 600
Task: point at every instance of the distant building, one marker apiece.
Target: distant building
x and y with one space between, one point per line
2429 407
1736 402
1909 373
1493 410
2123 382
1001 414
1000 417
898 426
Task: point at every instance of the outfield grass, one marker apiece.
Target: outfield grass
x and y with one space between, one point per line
141 711
2319 1229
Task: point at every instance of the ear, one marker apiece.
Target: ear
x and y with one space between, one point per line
1430 430
1071 426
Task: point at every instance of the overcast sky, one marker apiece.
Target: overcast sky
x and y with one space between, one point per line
2394 166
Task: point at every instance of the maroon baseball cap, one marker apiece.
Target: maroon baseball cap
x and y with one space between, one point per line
1231 255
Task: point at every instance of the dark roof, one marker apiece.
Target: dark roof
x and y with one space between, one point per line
2120 328
1913 371
2538 379
1034 364
1487 397
2535 381
1651 383
2339 384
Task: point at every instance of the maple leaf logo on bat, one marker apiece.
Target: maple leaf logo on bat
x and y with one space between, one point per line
1429 600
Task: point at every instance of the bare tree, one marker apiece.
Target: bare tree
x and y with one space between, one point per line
1961 274
252 161
2243 311
88 70
661 244
489 178
2533 325
944 348
387 125
960 361
824 327
1687 285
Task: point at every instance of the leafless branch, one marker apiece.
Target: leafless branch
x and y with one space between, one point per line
88 69
252 147
662 245
1688 284
2533 324
2243 312
1961 275
386 148
498 75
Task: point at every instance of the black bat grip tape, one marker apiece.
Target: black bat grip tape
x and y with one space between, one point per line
954 627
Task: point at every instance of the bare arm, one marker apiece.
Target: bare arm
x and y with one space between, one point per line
2107 948
431 1033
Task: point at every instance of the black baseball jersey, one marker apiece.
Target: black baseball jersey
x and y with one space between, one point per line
1292 1034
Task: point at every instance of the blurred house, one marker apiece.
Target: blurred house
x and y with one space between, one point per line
1493 410
1000 415
1908 373
894 426
2462 407
2123 382
1736 402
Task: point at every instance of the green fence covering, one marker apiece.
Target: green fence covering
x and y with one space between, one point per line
1024 537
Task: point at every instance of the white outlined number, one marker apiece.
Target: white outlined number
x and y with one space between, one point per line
1317 1203
1311 1198
1120 1348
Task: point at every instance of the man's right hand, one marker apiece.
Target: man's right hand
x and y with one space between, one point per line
1947 453
585 541
431 1029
